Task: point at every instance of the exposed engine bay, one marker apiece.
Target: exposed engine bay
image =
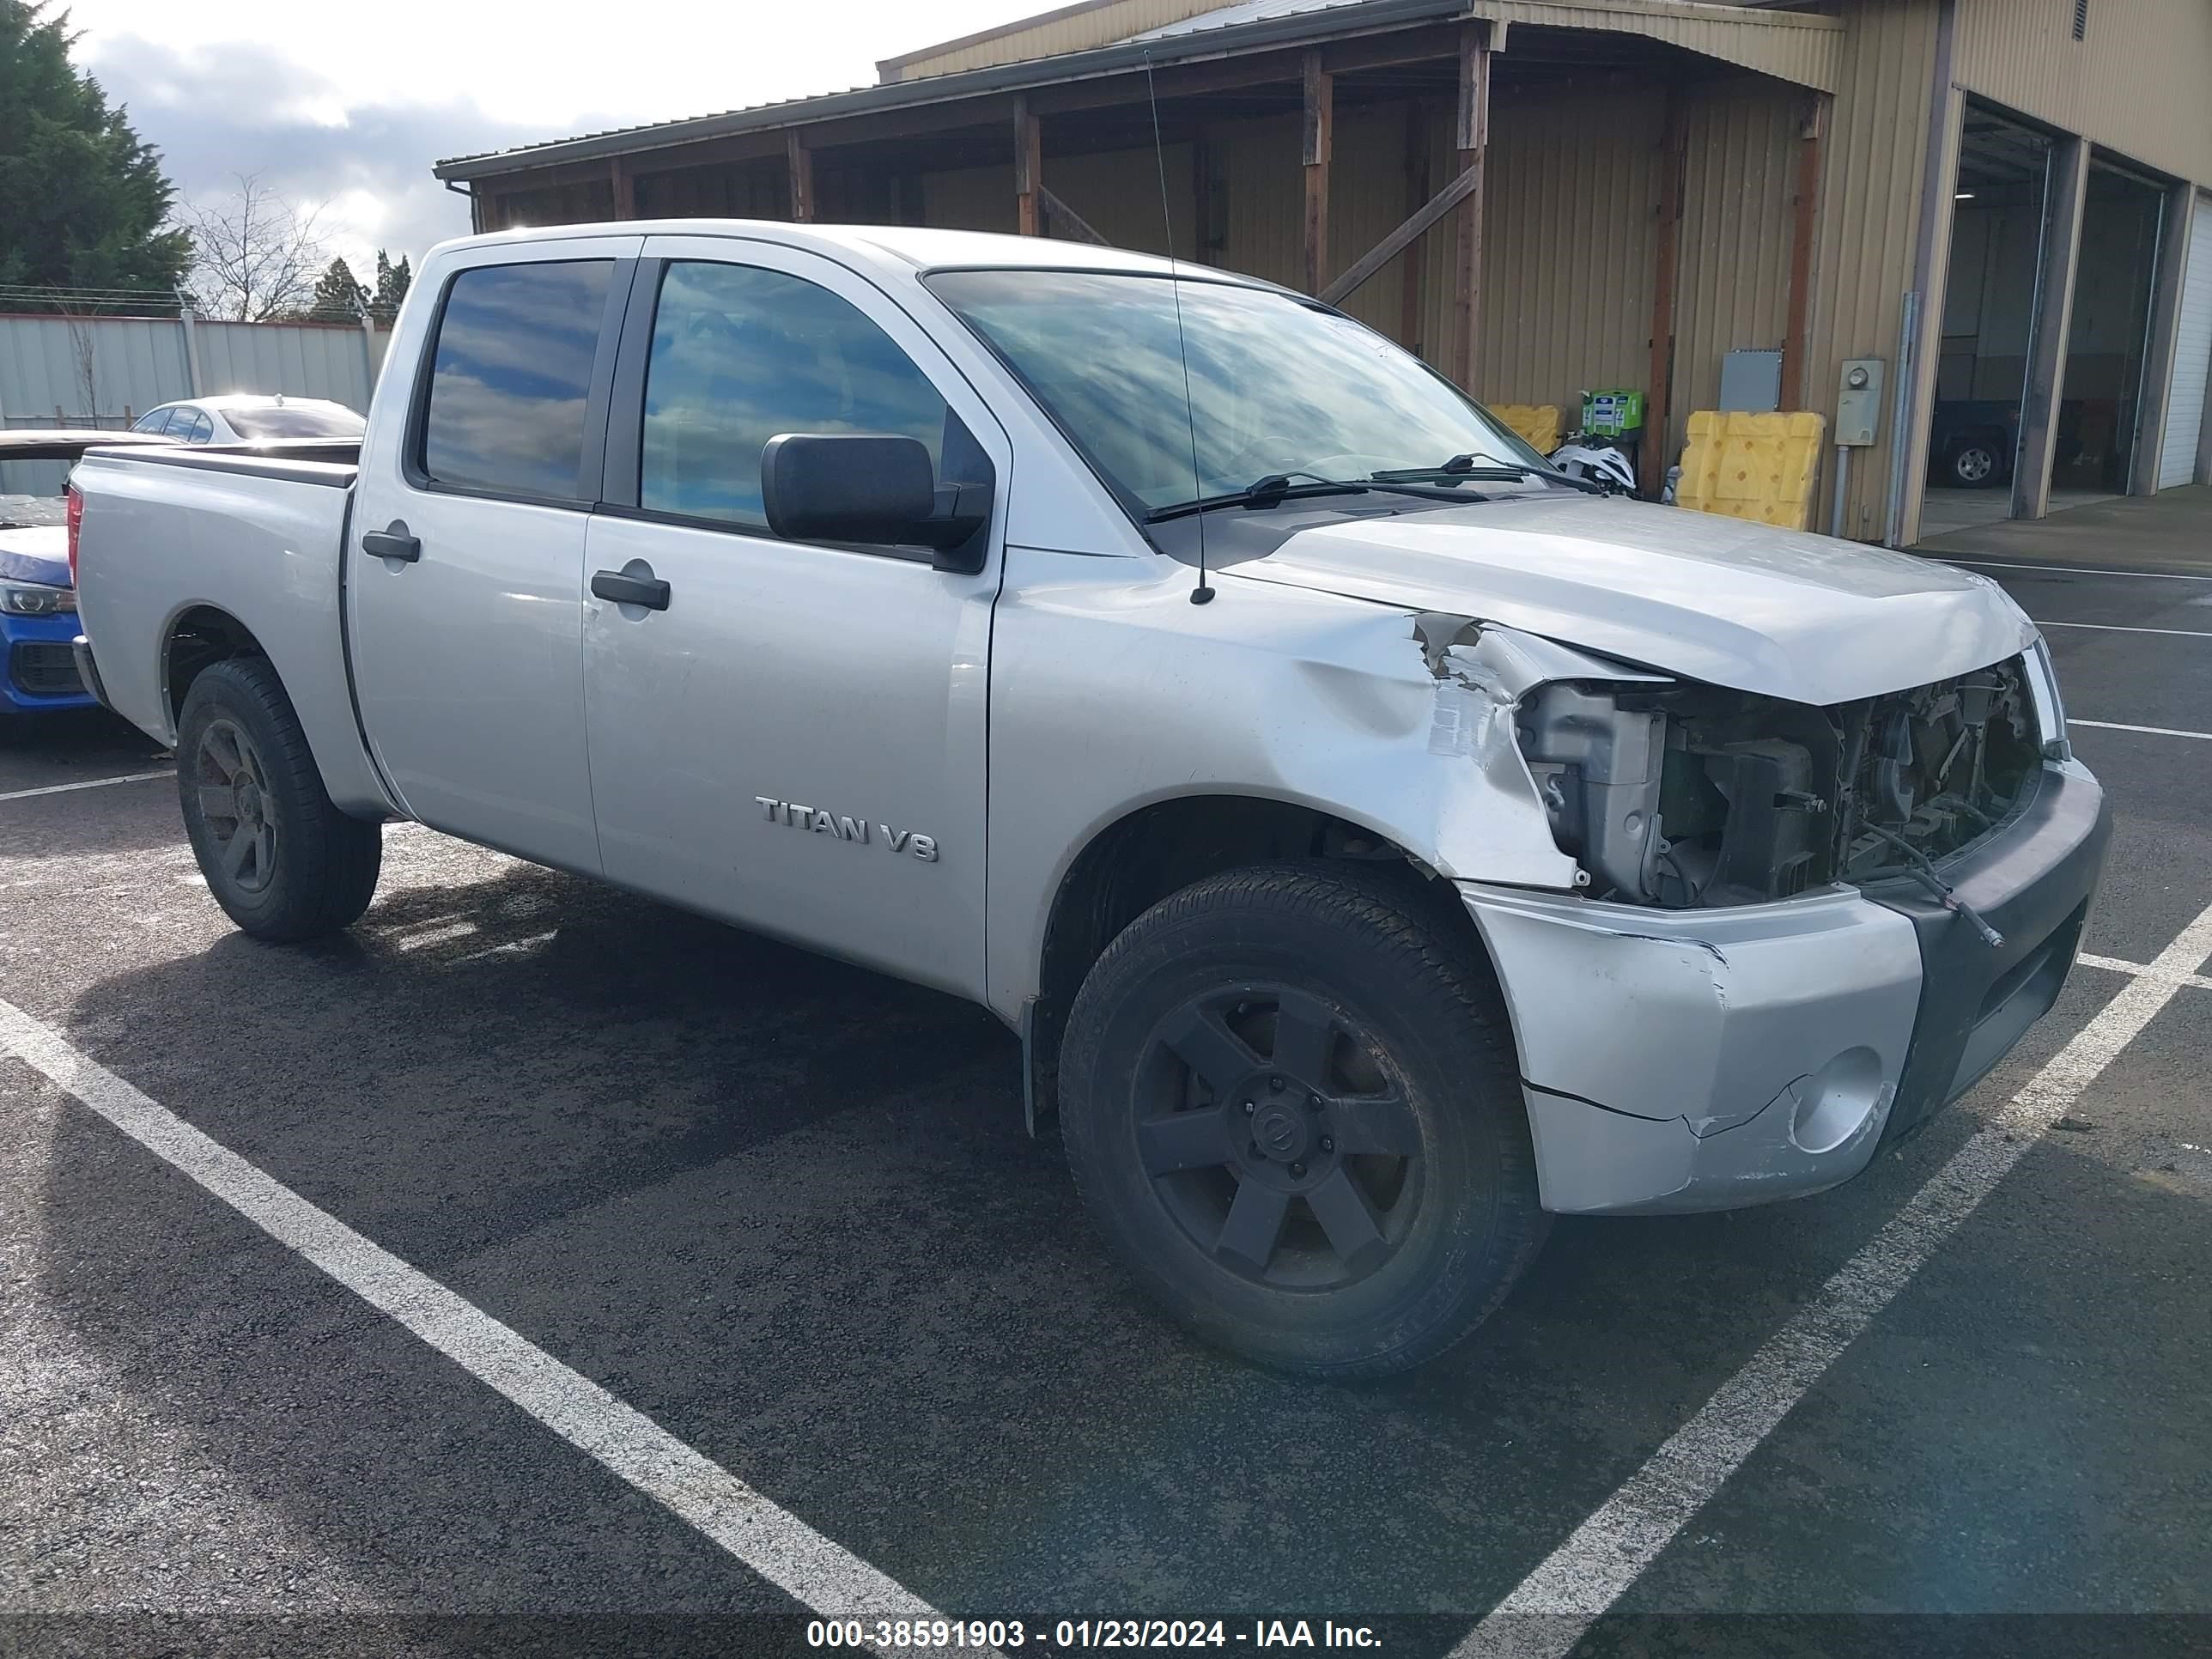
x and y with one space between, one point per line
1686 795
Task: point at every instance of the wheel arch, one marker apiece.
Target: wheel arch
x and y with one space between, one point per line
1130 862
197 638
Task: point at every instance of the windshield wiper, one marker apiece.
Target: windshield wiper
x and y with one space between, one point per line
1279 487
1488 468
1270 491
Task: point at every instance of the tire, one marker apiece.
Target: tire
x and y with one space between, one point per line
283 862
1417 1080
1973 463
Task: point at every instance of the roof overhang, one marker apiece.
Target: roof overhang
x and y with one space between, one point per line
1798 47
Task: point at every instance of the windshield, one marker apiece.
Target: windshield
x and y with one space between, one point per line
1276 386
294 421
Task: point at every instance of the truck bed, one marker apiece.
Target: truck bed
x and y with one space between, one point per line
184 541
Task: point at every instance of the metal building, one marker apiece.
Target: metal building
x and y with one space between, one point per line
2001 207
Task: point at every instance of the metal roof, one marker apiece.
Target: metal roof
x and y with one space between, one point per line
1801 47
1121 55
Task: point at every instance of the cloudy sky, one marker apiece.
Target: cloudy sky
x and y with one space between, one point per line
349 106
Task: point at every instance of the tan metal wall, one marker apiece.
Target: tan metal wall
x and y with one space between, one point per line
1567 248
2139 82
1732 282
1869 227
1070 29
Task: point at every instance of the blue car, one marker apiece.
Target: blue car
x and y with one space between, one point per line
37 599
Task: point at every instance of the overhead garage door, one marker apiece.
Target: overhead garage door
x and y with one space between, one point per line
2192 356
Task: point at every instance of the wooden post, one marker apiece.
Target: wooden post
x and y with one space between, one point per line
1470 136
1028 168
1201 196
1320 139
625 189
800 160
1417 191
1673 148
1804 223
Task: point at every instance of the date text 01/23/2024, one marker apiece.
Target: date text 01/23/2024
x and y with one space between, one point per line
1065 1635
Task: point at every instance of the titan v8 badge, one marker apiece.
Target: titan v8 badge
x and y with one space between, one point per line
846 827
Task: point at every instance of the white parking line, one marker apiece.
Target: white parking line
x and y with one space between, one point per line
90 783
2113 964
2121 627
1549 1611
775 1543
2148 731
2076 570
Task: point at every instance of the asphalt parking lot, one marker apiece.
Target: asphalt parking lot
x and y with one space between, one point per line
787 1210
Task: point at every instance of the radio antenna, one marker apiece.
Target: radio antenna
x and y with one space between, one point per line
1201 594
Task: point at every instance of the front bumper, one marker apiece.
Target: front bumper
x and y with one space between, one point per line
38 666
1706 1060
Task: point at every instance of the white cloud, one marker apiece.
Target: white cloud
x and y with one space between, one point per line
351 107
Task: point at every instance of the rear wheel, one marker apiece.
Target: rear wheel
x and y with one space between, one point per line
282 861
1288 1096
1972 464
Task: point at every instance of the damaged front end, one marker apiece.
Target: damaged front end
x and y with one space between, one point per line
1795 930
1689 796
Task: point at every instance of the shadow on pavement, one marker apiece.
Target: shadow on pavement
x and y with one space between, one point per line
787 1208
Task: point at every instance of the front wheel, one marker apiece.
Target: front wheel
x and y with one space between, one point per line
1288 1096
282 861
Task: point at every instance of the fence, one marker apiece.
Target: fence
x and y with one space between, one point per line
106 371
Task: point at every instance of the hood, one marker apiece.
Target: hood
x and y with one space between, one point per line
1777 612
40 554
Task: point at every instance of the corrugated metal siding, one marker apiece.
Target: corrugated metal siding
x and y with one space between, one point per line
1732 284
1568 249
1262 191
302 361
1792 46
1117 192
1869 224
2139 82
138 362
1804 49
972 198
1076 31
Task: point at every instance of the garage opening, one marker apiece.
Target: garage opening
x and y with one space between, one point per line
1990 300
2099 406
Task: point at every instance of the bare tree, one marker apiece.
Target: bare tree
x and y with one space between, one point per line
254 256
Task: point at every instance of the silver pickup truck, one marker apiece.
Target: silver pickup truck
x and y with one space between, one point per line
1378 841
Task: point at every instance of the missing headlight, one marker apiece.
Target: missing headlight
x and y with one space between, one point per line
1688 795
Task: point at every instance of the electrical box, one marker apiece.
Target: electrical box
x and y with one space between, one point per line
1751 381
1858 402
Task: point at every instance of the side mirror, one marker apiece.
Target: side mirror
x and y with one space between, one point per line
877 491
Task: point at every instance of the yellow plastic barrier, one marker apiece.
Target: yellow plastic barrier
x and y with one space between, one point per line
1537 424
1759 467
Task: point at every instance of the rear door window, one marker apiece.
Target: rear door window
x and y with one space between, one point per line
511 376
190 425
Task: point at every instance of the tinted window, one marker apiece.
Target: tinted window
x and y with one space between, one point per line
157 422
741 355
511 377
294 421
189 426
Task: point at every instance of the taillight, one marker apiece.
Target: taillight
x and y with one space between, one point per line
75 525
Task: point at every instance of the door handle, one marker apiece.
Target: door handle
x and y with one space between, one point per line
392 542
634 584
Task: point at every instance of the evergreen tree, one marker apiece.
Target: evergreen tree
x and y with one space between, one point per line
82 199
339 296
391 283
